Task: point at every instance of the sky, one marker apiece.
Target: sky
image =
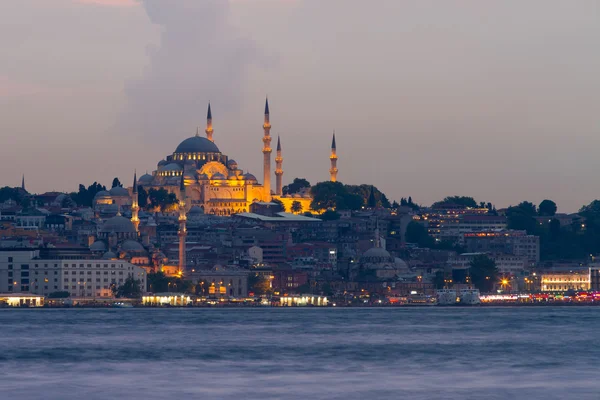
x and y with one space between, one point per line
498 100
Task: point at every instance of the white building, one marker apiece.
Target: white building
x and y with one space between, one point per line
22 271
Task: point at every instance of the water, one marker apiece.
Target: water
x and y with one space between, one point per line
381 353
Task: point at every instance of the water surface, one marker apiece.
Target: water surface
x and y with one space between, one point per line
310 353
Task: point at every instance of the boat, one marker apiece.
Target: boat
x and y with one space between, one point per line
447 297
123 305
469 296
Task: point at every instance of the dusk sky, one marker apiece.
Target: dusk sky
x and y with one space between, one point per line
499 100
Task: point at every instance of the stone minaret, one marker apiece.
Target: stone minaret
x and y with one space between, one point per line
182 232
23 183
333 171
209 128
134 205
278 169
267 154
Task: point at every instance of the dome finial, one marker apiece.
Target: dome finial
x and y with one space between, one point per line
197 131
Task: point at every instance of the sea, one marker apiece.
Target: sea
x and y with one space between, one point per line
300 353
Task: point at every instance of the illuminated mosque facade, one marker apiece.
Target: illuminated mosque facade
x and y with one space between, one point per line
214 182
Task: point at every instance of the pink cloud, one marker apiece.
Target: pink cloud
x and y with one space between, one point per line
110 3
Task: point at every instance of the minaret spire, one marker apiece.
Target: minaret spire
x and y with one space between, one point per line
278 169
182 232
23 183
134 204
267 154
333 171
209 128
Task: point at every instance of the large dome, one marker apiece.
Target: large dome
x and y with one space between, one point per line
197 144
118 224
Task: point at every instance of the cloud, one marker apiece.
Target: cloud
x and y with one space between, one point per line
201 57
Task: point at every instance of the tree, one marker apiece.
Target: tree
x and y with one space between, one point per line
116 183
483 273
395 204
296 186
329 215
157 282
547 208
85 196
464 201
142 197
521 217
16 194
280 205
161 199
296 207
258 284
130 289
417 233
334 195
438 280
370 195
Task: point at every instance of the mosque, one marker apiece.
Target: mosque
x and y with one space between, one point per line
215 183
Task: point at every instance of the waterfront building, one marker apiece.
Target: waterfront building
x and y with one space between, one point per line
21 300
24 271
578 280
222 281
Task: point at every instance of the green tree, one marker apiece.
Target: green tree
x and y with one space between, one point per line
85 196
417 233
116 183
521 217
484 273
547 208
130 289
258 284
464 201
370 195
161 198
157 282
142 197
296 207
16 194
296 186
329 215
280 205
334 195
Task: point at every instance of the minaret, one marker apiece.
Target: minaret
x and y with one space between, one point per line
209 128
134 204
267 154
182 232
278 170
23 183
333 158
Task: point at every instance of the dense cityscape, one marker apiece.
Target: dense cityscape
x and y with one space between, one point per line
200 231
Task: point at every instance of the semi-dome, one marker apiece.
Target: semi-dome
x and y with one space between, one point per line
249 177
102 193
109 255
171 167
131 245
118 191
197 144
202 177
377 255
218 175
146 178
98 246
195 210
118 224
162 162
232 164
